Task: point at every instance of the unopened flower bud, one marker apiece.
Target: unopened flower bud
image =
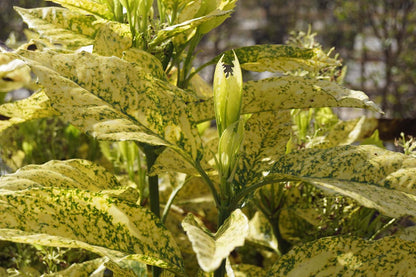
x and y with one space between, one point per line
228 87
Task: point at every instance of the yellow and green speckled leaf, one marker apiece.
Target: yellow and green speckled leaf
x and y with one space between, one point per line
170 161
185 26
338 256
89 177
60 26
248 270
261 232
14 73
87 7
189 10
115 100
279 58
376 178
59 204
210 248
289 92
265 138
347 132
112 39
81 269
35 106
149 63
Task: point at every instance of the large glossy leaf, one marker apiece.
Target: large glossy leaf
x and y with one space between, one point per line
375 177
338 256
279 58
115 100
60 204
35 106
210 248
87 7
290 92
60 26
265 138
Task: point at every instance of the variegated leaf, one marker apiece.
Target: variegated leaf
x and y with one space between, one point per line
374 177
248 270
14 73
112 39
214 7
87 7
289 92
408 233
279 58
89 177
338 256
59 204
81 269
261 232
114 100
60 26
170 161
347 132
149 63
185 26
265 138
189 10
210 248
35 106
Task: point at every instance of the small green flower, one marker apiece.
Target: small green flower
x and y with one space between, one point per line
228 87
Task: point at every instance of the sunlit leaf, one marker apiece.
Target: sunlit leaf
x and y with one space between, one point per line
115 100
348 132
266 135
35 106
59 204
214 7
185 26
248 270
374 177
81 269
338 256
112 39
14 74
189 11
210 248
149 63
60 26
261 232
290 92
279 58
87 7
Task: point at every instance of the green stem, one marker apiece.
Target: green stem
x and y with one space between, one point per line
151 156
283 245
210 184
188 61
223 214
170 200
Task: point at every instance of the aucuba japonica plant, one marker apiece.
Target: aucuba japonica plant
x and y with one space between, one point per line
122 71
